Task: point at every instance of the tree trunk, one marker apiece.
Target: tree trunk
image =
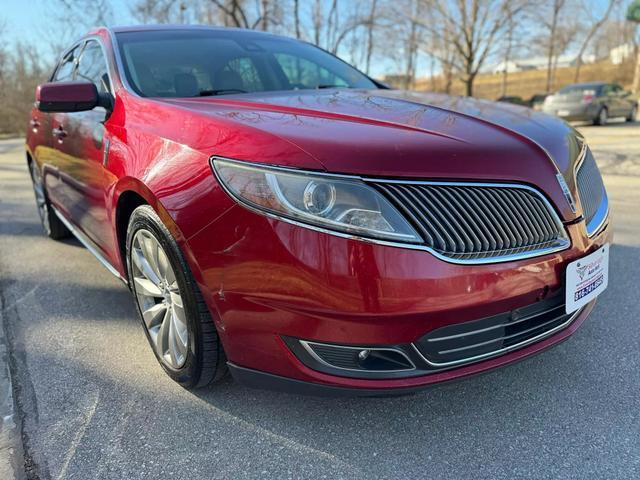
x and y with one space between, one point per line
370 25
468 85
636 75
265 15
507 57
557 6
296 17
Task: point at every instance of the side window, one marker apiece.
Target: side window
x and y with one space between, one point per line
65 69
305 74
607 90
93 67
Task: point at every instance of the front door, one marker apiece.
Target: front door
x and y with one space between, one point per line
82 140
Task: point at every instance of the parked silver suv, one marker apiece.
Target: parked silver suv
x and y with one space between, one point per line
594 102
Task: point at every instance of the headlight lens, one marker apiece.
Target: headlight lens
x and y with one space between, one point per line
335 203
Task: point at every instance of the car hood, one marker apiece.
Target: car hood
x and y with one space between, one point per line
406 134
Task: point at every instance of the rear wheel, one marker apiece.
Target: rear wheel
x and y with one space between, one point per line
603 117
51 224
633 114
175 318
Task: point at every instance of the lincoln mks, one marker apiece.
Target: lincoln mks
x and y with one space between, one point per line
280 215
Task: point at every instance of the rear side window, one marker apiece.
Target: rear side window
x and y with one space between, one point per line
66 68
92 67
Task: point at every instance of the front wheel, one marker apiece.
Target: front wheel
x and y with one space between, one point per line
175 318
633 114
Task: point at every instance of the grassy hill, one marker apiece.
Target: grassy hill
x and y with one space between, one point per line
525 84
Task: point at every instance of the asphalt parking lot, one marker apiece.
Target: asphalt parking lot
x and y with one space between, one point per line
95 404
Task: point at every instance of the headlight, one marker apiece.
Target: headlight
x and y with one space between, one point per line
331 202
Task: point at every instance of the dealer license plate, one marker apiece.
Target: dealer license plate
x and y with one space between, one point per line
587 278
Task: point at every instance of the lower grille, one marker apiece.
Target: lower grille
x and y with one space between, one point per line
478 339
478 223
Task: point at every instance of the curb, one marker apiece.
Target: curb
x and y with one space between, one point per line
11 451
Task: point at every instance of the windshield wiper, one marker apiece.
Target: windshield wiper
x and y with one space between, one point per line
332 86
222 91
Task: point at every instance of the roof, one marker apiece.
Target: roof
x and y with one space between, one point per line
173 27
587 84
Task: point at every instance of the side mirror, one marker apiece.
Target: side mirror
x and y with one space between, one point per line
67 97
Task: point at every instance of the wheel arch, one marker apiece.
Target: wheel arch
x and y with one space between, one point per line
130 193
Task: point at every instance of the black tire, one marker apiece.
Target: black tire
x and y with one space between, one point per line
205 360
602 118
51 224
633 114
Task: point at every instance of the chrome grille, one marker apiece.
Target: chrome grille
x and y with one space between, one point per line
593 196
471 222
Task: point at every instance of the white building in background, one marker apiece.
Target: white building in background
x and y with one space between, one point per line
620 53
539 63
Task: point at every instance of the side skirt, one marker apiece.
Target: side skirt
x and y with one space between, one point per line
89 245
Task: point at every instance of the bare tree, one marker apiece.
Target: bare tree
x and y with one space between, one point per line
551 24
633 15
511 25
473 27
370 26
596 24
236 13
296 17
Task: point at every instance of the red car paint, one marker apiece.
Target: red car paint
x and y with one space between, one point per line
263 278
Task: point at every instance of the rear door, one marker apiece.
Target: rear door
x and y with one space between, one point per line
85 152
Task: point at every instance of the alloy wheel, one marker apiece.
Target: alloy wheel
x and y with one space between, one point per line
41 198
159 298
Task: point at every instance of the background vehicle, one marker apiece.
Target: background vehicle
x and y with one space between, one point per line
595 102
277 212
512 99
537 101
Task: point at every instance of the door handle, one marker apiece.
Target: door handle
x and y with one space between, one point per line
59 132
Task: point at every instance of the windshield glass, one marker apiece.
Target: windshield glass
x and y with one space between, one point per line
192 63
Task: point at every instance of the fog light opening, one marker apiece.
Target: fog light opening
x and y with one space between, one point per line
364 359
383 360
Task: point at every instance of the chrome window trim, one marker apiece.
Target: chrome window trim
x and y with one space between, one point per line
88 244
95 38
306 344
602 214
120 67
505 350
563 242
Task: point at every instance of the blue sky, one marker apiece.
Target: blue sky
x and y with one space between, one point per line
26 19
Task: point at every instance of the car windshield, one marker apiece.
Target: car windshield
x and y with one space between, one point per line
184 63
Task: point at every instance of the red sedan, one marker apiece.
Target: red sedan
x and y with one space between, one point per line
280 215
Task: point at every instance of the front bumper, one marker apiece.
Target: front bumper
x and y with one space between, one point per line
266 280
261 379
